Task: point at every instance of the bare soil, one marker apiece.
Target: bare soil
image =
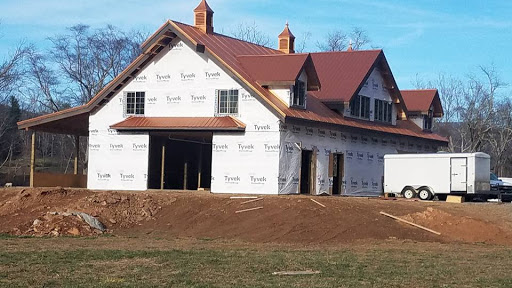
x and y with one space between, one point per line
283 219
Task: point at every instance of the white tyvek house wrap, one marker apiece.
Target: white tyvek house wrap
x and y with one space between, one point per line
363 156
182 83
245 163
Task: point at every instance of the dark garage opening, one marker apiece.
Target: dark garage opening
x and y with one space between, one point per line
186 162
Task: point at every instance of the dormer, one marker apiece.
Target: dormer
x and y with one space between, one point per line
288 76
203 17
423 106
286 41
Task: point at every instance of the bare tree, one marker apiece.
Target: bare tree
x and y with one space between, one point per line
335 41
359 38
88 60
339 40
500 140
43 88
250 32
473 119
301 45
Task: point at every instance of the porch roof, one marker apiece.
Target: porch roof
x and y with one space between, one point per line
225 123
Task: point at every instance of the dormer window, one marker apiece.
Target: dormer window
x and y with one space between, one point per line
298 98
383 111
360 107
428 119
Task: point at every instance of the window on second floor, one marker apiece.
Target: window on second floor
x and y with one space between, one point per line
383 111
298 98
227 102
134 103
428 119
360 107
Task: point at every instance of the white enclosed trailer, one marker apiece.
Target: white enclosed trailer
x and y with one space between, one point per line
426 175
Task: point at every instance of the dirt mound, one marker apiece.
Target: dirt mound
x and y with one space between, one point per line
283 219
459 228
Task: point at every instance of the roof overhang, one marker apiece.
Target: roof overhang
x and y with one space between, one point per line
224 123
74 121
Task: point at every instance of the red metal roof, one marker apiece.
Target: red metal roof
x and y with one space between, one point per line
317 111
180 123
273 68
421 100
269 69
341 73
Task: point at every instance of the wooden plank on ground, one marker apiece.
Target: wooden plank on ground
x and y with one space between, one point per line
454 199
247 210
288 273
250 201
317 202
243 197
410 223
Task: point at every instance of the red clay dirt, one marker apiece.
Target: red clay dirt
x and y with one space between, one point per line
283 219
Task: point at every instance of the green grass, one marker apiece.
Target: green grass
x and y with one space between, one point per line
380 266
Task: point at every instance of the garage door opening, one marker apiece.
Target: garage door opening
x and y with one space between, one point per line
180 161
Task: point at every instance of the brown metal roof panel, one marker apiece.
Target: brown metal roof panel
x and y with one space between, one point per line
179 123
273 68
341 73
421 100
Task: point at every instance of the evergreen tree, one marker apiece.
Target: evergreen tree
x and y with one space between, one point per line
10 142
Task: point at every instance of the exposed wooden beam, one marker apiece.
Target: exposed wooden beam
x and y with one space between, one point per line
162 171
77 153
32 158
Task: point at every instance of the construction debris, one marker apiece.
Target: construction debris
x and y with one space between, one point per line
317 202
243 197
250 201
250 209
410 223
290 273
93 222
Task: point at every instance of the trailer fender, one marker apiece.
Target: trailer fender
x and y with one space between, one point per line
427 188
409 192
425 193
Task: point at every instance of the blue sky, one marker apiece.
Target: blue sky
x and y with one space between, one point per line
419 37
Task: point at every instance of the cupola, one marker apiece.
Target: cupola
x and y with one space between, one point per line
286 41
203 17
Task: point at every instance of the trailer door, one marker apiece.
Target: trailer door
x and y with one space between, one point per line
458 174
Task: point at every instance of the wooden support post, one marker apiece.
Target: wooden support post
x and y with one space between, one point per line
32 158
162 171
185 175
200 167
77 153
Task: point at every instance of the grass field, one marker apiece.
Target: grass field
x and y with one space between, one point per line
158 262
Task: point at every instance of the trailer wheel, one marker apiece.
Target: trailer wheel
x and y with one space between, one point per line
409 193
425 194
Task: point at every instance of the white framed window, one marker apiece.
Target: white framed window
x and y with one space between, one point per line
227 102
383 111
360 107
134 103
298 97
